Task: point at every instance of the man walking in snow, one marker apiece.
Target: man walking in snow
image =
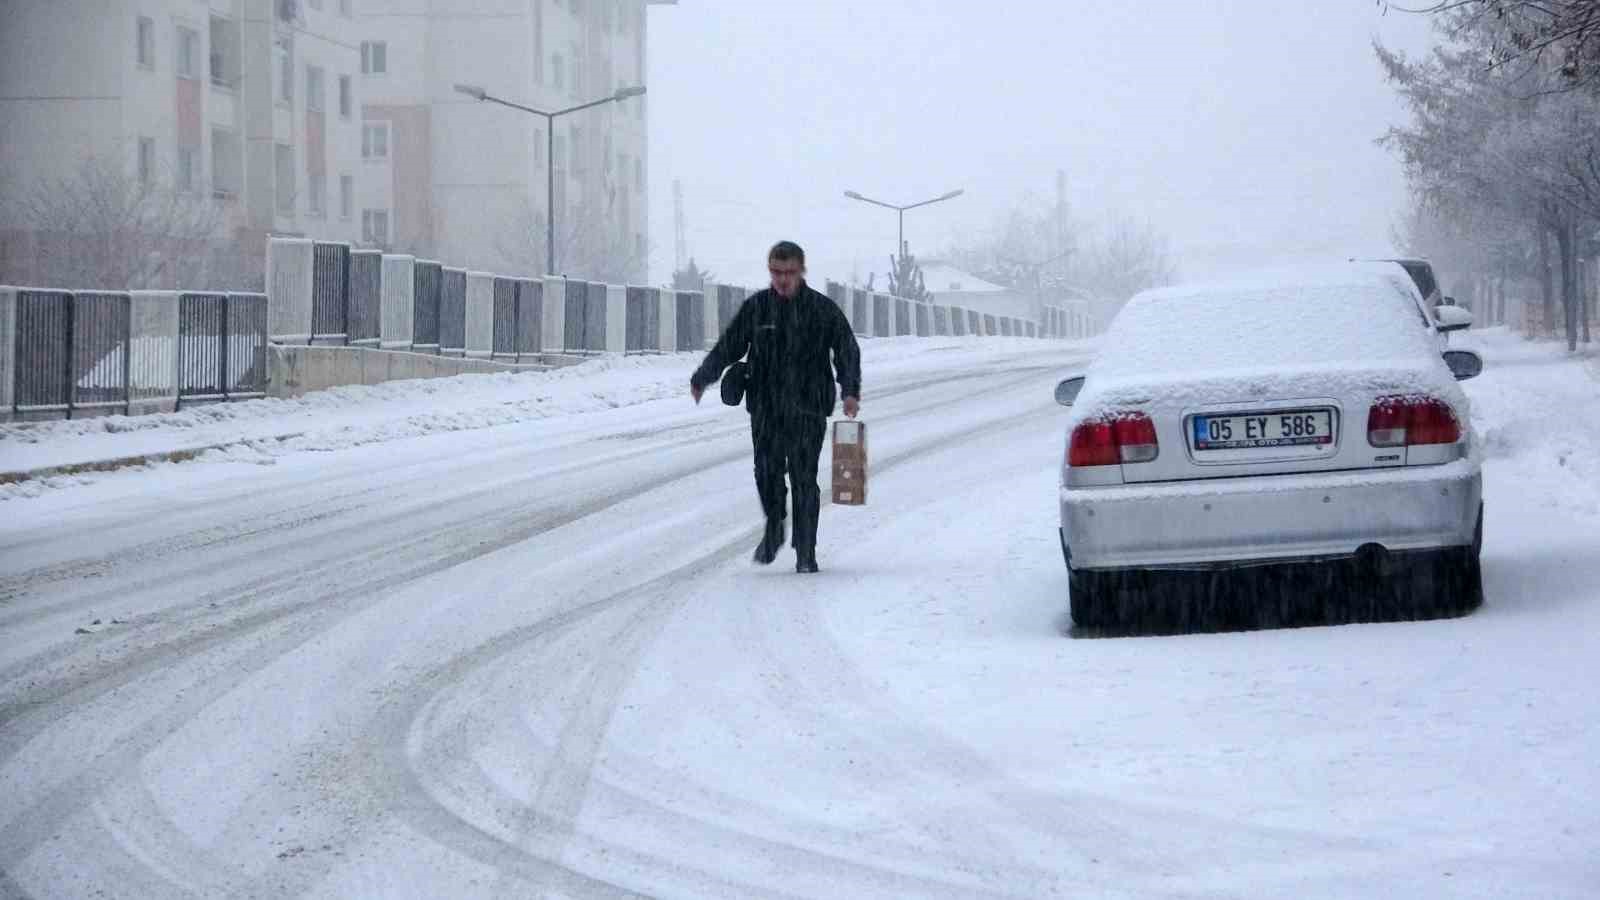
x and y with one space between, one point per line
788 330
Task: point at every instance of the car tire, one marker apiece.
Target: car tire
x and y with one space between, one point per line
1087 597
1462 580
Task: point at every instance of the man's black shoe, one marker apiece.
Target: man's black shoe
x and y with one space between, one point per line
805 561
771 542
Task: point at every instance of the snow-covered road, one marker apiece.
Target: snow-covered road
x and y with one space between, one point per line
525 655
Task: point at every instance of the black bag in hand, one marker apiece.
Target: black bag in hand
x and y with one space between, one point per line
734 382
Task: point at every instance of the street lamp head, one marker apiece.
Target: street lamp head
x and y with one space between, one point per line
472 90
625 93
955 193
853 195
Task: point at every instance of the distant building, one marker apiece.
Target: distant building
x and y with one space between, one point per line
251 103
337 120
950 286
466 181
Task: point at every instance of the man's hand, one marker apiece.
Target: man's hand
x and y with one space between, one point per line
851 406
695 391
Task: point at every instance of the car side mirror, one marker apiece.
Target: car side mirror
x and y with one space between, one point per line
1463 364
1451 318
1067 391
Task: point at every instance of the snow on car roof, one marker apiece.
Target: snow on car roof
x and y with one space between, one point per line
1272 320
1314 331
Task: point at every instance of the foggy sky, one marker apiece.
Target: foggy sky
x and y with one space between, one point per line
1243 129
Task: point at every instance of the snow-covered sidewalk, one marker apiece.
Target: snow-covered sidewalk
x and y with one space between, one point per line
357 415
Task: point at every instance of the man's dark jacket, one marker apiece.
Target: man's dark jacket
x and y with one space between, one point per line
788 342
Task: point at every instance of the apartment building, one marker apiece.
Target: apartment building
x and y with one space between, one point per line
468 181
252 104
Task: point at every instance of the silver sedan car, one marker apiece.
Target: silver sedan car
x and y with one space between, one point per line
1286 449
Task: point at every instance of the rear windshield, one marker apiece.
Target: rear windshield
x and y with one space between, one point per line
1259 328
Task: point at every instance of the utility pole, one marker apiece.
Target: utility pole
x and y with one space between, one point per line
681 255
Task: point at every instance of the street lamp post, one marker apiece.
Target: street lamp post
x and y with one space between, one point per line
901 210
478 93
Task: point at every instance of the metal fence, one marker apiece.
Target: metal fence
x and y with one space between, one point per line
364 297
453 312
429 277
330 291
77 352
574 319
691 320
518 318
643 321
100 357
43 358
222 347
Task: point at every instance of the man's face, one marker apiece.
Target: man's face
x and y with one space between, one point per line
786 275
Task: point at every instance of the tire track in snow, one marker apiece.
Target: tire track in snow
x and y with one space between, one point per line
29 717
549 824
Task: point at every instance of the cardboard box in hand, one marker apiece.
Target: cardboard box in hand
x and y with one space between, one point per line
850 463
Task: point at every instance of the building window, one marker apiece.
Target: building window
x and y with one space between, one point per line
147 160
314 4
224 53
638 175
283 55
313 89
577 70
317 199
375 140
375 226
345 8
346 97
284 155
347 195
186 159
227 164
188 53
622 169
147 43
558 73
374 57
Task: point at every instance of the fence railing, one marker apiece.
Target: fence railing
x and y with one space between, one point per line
83 353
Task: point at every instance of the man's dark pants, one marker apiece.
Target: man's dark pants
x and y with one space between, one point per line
789 443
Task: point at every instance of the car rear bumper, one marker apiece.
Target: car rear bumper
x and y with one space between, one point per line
1204 524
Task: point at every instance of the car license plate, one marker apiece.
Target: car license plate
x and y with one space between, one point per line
1287 428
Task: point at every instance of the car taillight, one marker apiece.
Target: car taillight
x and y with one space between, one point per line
1411 422
1112 440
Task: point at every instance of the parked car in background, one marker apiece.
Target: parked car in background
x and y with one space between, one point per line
1295 437
1439 312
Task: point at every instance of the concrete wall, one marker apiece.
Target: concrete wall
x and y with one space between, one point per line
555 313
395 321
668 319
294 370
8 350
616 337
289 274
153 338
